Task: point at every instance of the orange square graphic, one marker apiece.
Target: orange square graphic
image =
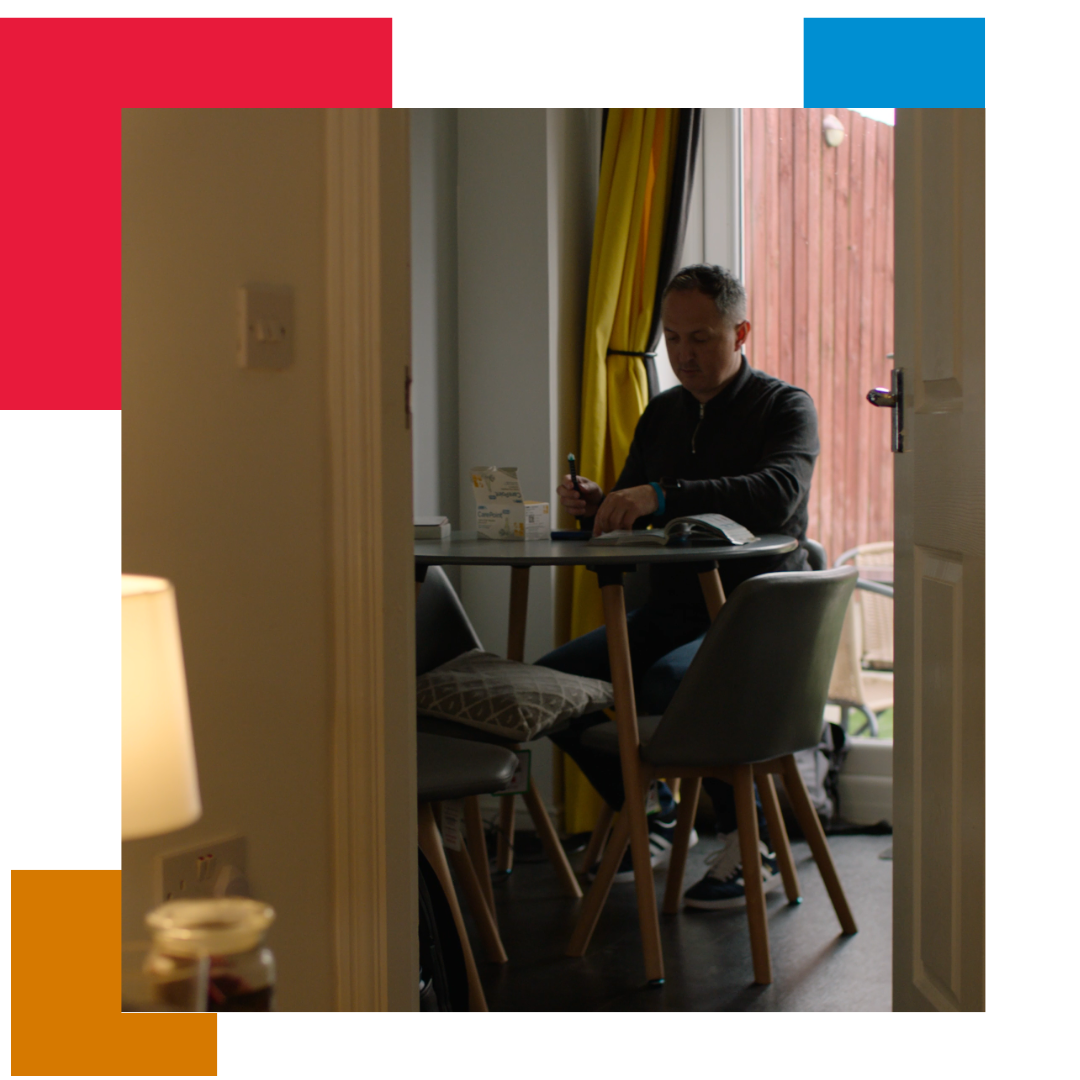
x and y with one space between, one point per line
65 988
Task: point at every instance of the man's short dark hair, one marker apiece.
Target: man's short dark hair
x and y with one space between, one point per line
724 289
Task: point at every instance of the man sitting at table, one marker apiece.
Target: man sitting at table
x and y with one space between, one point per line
729 440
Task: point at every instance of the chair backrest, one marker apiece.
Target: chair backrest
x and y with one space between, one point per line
874 563
756 688
443 630
815 554
878 555
845 683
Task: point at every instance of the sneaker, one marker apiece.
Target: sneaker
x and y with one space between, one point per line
723 885
661 839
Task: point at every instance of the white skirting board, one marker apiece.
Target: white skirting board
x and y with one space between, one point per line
865 783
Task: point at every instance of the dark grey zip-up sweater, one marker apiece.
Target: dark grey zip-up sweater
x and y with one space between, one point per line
748 453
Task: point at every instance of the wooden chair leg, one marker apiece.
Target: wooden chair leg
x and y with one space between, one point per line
474 824
431 846
778 834
504 857
746 816
684 826
481 913
599 837
815 837
595 897
552 848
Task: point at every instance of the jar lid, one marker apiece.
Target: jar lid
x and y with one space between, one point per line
231 924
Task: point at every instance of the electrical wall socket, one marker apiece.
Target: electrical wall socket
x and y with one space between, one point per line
216 868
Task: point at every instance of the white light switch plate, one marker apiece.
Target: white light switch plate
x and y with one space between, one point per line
266 327
214 868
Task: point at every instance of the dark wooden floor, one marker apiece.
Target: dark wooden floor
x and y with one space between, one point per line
707 954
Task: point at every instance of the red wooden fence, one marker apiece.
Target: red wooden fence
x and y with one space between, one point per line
819 279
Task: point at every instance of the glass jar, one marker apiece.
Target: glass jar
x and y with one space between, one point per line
228 931
147 986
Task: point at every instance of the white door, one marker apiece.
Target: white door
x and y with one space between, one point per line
939 773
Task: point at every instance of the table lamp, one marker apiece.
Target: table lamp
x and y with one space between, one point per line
159 784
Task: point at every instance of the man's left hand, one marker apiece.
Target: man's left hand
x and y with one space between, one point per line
620 509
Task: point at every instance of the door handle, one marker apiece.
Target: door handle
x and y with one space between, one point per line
893 398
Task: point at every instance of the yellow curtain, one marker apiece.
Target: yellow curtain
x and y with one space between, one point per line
635 183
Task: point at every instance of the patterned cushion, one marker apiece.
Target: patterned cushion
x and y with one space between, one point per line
513 700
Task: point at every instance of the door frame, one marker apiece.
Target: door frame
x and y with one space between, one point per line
373 766
939 795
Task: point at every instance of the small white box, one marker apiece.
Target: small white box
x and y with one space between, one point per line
537 520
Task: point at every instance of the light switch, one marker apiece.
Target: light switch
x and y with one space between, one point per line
266 327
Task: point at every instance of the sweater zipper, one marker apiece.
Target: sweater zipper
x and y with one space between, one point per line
693 438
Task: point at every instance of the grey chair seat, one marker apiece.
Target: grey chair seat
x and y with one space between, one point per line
605 736
443 632
456 768
450 729
753 697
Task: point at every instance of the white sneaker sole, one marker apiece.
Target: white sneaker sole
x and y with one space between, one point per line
731 902
659 858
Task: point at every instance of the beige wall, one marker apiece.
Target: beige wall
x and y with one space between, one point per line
226 493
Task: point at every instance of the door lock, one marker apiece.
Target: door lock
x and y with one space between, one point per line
892 398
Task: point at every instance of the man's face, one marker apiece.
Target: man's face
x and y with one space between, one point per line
702 345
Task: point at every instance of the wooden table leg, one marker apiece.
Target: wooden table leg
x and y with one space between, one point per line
634 782
519 607
713 589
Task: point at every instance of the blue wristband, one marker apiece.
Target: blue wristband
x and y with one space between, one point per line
659 495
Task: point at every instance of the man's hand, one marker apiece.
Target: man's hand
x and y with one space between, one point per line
583 505
622 508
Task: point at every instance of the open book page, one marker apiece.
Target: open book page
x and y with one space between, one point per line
692 529
631 536
710 526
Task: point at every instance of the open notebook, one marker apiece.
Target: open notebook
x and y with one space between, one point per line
695 528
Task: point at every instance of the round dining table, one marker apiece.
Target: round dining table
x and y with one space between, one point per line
610 562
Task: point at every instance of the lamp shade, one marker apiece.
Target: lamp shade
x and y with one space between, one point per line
160 788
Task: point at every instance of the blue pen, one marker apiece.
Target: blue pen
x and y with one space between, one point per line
573 473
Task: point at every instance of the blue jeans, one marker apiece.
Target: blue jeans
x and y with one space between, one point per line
661 649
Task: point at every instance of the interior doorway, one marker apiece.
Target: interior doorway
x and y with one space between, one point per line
818 210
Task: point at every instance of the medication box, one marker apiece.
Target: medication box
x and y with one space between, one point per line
537 520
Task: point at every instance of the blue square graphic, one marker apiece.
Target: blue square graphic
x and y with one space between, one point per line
895 63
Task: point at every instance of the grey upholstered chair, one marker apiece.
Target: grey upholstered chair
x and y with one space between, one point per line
459 769
443 631
753 696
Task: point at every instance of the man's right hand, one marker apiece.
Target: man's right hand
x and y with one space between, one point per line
583 505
